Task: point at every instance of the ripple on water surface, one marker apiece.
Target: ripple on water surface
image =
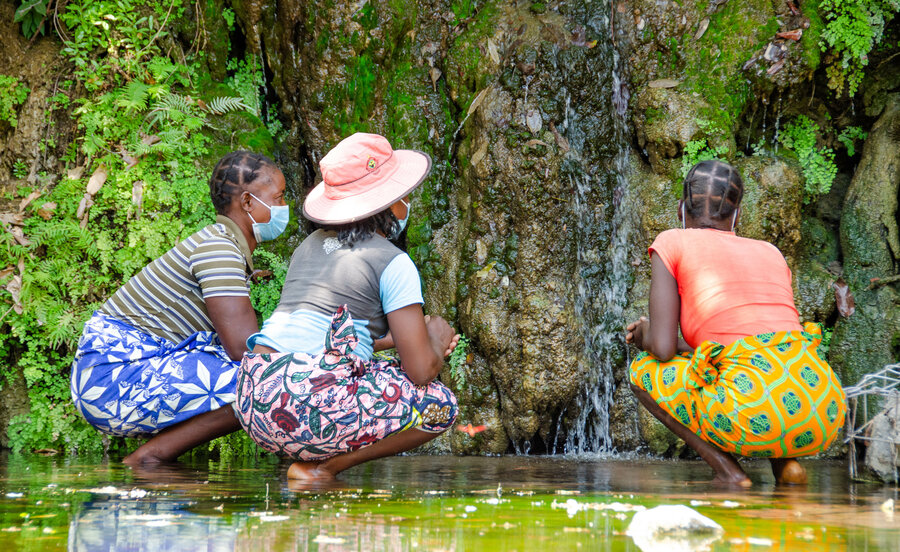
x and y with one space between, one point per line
424 503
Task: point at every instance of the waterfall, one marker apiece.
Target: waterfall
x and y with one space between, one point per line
604 272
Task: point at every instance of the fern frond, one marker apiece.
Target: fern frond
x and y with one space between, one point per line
226 104
134 97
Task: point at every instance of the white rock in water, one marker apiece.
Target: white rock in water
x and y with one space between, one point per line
673 528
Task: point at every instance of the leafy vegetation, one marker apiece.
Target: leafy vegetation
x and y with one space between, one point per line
12 93
458 361
265 295
853 29
696 151
817 162
32 14
136 184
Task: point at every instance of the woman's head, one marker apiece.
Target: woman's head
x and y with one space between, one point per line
711 193
239 172
364 188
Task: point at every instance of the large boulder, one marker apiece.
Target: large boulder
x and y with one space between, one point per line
883 450
868 339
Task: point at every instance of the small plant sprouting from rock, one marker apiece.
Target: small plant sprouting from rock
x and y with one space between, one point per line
849 137
458 361
12 94
817 163
854 28
696 151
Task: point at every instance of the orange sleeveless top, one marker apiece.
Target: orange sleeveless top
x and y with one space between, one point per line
730 287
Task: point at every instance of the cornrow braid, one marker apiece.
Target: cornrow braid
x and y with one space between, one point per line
712 189
361 230
232 174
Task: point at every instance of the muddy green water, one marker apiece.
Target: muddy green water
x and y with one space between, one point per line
423 503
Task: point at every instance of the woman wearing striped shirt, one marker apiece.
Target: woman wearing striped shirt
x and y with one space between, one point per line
161 355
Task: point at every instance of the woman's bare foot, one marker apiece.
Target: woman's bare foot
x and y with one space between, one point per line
788 471
733 480
309 471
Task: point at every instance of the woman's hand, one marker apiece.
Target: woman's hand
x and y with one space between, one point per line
453 342
636 331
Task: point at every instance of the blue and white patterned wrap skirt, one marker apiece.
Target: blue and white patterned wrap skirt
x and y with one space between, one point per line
126 382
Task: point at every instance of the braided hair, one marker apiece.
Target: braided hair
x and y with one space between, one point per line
713 189
361 230
233 173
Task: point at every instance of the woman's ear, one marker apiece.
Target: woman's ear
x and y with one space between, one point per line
244 199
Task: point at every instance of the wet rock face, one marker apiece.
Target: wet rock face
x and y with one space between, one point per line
883 450
868 340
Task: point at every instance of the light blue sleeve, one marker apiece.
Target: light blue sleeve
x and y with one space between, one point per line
400 285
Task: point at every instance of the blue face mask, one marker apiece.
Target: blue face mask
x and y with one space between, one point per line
402 222
279 216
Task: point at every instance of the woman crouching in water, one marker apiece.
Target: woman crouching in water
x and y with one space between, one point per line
747 378
310 388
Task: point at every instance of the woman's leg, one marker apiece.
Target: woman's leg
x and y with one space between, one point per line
389 446
727 469
172 442
788 471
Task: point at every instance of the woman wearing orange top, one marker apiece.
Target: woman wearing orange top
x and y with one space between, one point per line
746 378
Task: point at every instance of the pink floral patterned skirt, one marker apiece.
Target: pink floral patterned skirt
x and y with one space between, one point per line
312 407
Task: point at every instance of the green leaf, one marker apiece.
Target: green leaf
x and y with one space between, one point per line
40 6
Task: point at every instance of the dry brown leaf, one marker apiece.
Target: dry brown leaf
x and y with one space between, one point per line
534 142
664 83
561 140
435 74
75 174
492 51
19 235
97 180
46 210
479 155
31 197
84 205
130 160
149 139
790 35
12 218
776 67
14 287
846 304
701 29
476 102
7 271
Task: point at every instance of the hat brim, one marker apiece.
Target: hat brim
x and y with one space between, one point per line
412 168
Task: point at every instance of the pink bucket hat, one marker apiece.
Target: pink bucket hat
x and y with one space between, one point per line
361 176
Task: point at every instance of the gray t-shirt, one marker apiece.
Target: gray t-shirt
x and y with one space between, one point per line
323 275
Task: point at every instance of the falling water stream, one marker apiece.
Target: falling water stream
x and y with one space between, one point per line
603 278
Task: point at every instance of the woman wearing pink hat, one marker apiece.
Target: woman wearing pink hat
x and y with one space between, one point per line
311 388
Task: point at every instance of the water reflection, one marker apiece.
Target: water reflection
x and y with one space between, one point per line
432 503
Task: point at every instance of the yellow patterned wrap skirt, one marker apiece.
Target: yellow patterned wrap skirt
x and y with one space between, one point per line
768 396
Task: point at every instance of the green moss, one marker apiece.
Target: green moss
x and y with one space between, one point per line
713 65
466 70
812 36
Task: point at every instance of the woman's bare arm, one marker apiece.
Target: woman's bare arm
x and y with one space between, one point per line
234 320
420 345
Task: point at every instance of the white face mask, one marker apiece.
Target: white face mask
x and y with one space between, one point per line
733 219
683 223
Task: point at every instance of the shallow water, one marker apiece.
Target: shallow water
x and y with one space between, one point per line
424 502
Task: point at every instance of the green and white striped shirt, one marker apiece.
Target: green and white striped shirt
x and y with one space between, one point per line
167 298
